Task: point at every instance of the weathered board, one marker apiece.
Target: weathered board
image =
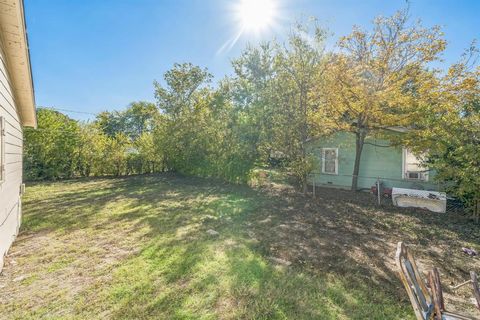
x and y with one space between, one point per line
10 186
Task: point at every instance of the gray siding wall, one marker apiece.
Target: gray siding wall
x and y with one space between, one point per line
10 205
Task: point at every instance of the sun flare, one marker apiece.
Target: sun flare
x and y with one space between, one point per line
253 18
256 15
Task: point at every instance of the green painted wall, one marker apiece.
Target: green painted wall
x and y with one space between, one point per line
385 163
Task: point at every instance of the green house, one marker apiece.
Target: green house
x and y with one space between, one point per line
334 158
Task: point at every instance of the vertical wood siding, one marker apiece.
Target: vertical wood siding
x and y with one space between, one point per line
10 187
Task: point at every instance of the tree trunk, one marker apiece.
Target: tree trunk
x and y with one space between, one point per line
359 142
305 185
164 165
304 137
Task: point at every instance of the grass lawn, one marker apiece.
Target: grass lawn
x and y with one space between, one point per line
140 248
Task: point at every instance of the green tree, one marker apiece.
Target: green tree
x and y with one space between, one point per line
299 66
252 92
448 126
116 143
200 131
90 152
117 150
111 123
180 102
184 84
136 119
49 150
139 118
150 158
271 92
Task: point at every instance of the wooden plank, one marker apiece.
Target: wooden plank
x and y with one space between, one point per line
16 171
4 78
14 137
12 149
10 200
4 75
9 110
7 99
437 293
13 158
8 229
476 287
13 128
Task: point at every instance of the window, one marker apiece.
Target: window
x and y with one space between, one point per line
330 160
2 149
412 167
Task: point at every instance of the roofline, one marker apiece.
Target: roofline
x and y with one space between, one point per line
394 129
398 129
16 49
27 46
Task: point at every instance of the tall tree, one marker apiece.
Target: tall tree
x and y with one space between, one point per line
186 89
184 82
252 95
299 65
374 78
272 88
201 133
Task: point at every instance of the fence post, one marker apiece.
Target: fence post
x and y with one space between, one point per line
476 211
378 191
313 185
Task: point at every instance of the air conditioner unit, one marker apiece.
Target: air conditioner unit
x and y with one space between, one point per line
416 175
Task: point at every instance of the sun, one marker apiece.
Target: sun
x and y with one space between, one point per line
256 16
253 18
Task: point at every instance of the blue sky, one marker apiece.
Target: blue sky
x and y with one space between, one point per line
90 55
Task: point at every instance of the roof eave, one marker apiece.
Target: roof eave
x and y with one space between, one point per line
15 43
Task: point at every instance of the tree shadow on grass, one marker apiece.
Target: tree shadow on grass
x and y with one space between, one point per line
277 255
158 281
325 284
270 291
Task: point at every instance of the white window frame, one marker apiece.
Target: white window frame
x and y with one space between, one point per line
2 149
423 175
336 161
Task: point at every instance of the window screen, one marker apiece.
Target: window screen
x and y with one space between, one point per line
413 167
330 160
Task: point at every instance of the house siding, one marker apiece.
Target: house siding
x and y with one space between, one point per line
385 163
10 203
